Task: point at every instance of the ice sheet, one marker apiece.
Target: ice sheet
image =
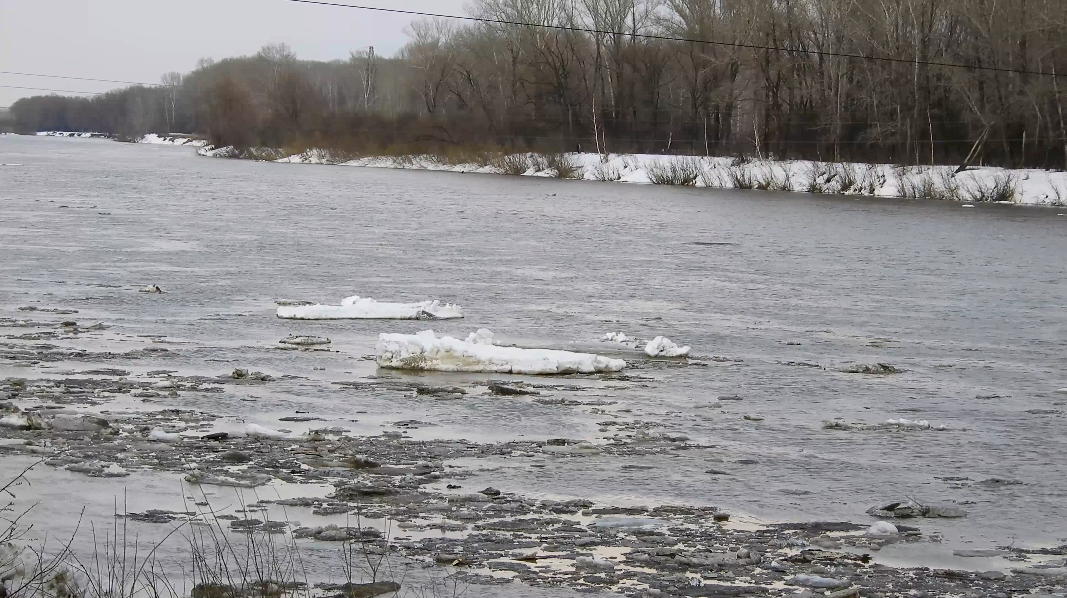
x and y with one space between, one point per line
426 351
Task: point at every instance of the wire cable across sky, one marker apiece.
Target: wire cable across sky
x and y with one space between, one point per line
79 78
576 29
92 93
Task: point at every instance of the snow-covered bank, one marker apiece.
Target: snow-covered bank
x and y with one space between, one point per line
364 308
184 140
149 139
978 184
426 351
73 134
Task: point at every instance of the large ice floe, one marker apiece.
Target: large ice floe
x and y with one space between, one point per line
365 308
426 351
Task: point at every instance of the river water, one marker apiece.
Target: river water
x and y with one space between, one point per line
970 303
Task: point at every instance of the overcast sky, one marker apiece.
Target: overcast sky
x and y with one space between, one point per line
138 40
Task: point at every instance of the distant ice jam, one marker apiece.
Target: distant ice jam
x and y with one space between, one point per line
426 351
364 308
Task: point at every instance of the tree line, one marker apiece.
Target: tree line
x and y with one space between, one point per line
628 76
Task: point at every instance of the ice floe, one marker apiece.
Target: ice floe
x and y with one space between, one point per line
882 529
364 308
258 431
158 435
910 424
617 337
426 351
662 346
816 581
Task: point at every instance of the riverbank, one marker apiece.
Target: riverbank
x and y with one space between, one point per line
975 185
1029 187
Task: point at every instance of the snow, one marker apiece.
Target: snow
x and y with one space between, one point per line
158 435
426 351
258 431
662 346
364 308
153 139
1035 187
71 134
882 528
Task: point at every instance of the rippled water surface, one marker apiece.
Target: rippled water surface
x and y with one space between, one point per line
970 303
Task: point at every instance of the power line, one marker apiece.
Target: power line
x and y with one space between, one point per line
577 29
92 93
79 78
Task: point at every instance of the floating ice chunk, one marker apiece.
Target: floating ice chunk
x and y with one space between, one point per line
662 346
364 308
909 424
882 528
19 422
814 581
425 351
1062 391
482 337
114 471
158 435
258 431
305 341
152 288
593 564
616 337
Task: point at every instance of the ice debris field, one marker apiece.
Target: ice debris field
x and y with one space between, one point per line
364 308
479 353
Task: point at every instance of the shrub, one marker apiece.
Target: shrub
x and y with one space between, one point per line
606 172
771 179
740 176
564 166
676 171
1002 188
846 177
870 179
514 164
818 178
712 177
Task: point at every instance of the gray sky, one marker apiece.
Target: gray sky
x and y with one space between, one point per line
139 40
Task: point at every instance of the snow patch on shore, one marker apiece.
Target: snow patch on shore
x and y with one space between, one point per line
365 308
153 139
1033 187
73 134
426 351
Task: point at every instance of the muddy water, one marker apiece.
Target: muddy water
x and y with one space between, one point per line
776 294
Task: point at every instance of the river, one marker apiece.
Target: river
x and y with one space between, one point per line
776 293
